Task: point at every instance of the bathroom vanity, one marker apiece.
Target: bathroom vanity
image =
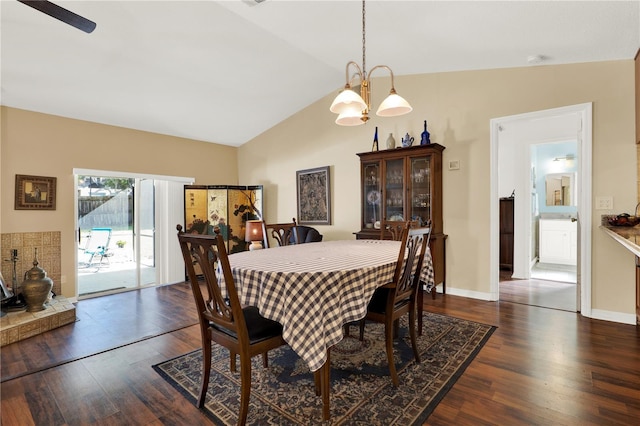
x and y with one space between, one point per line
558 241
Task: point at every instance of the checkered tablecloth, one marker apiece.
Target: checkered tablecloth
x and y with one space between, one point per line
314 289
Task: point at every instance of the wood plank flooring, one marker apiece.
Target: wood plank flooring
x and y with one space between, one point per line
103 323
540 367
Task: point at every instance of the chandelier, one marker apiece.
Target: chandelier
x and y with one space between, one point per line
353 109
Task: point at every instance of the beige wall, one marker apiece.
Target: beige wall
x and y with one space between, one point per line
458 107
46 145
637 66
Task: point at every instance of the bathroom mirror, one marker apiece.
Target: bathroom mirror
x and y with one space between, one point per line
560 189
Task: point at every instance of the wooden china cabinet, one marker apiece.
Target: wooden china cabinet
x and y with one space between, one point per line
404 184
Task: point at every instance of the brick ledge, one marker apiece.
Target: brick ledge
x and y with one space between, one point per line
17 326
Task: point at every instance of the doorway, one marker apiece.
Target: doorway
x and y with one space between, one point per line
115 234
554 238
516 143
143 249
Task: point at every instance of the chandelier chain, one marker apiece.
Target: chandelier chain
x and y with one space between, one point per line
353 108
364 61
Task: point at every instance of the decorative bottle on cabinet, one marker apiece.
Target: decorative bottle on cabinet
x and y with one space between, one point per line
391 142
425 135
375 141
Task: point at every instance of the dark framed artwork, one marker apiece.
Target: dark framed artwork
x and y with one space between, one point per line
35 193
314 196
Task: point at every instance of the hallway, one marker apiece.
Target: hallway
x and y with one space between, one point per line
550 286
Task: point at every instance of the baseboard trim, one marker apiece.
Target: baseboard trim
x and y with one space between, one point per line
598 314
613 316
470 294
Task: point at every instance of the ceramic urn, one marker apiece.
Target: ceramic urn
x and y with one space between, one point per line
36 287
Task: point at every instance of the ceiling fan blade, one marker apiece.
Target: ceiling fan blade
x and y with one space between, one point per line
61 14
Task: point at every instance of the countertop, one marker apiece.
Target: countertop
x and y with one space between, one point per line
556 216
628 236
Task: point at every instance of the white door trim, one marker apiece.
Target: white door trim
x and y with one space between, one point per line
584 113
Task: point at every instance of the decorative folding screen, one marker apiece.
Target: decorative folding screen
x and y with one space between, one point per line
225 206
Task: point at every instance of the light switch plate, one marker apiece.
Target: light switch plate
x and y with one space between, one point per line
604 203
454 165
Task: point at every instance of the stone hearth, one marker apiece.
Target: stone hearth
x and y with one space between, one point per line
17 326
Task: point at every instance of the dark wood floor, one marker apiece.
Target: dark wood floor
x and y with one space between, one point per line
540 367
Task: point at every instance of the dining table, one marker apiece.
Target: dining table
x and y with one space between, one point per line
314 289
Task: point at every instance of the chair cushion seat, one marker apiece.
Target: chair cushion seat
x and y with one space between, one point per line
259 327
378 303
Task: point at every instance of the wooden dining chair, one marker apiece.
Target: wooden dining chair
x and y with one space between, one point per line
392 229
223 320
420 301
282 233
389 230
399 297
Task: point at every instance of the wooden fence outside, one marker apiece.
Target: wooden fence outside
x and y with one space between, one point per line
114 212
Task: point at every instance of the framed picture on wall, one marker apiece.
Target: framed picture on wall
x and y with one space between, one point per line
314 196
35 193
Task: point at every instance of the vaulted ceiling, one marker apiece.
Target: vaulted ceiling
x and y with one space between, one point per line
226 71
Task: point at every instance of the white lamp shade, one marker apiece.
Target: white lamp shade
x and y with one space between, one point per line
394 105
347 99
351 116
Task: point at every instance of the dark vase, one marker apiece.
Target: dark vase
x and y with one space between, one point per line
374 147
425 139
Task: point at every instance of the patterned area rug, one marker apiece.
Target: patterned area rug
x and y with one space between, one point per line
361 389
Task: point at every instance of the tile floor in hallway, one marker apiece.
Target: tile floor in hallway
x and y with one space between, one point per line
550 286
553 272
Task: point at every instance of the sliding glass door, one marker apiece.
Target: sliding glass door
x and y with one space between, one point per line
116 229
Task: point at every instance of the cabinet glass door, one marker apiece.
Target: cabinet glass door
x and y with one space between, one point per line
420 177
372 195
394 190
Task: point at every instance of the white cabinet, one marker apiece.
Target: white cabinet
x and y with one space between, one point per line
558 242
